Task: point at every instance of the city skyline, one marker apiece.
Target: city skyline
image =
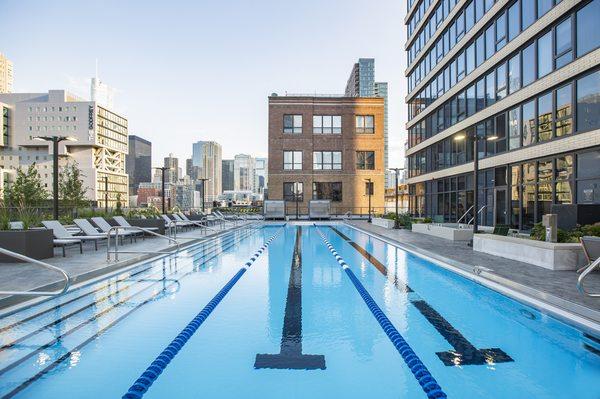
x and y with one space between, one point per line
142 79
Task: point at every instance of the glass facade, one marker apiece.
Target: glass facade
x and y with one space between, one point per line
519 189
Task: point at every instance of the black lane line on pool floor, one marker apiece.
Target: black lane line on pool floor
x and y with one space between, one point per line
464 353
290 355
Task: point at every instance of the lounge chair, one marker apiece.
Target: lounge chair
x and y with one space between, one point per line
591 249
183 222
89 230
169 222
105 228
121 221
63 238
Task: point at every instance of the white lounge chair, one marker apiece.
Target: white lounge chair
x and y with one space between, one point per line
591 249
121 221
89 230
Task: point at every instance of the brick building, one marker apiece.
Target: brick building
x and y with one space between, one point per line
330 146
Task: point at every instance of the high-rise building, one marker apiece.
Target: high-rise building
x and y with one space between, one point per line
361 83
515 84
138 162
99 149
207 156
6 75
261 175
327 148
244 172
172 174
227 174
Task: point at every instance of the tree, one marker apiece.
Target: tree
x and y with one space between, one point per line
71 190
27 190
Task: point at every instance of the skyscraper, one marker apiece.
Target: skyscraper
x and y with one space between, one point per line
516 85
172 174
261 175
227 174
6 75
361 83
207 156
138 162
244 172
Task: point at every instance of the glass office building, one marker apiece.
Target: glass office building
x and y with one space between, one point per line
522 79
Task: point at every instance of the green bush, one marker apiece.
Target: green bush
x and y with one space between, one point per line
538 232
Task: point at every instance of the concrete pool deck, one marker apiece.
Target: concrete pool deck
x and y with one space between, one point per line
557 288
87 266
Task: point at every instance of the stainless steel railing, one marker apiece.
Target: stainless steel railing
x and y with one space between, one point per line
582 277
465 214
42 264
116 251
478 212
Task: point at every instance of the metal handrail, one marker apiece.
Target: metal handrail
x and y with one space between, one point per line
116 235
39 263
583 275
478 212
170 226
465 214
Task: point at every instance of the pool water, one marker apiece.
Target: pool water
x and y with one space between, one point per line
293 326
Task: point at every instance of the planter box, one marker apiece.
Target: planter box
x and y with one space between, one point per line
553 256
37 244
149 223
452 233
387 223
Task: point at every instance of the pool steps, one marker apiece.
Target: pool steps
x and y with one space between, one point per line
229 242
416 366
143 383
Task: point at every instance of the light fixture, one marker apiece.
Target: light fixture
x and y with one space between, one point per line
460 137
491 138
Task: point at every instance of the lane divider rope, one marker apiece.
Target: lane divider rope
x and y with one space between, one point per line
143 383
416 366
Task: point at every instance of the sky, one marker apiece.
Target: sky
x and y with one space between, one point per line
202 70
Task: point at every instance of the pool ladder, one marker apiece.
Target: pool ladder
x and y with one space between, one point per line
42 264
595 264
114 232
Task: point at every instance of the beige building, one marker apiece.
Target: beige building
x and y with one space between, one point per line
207 158
99 150
327 148
6 75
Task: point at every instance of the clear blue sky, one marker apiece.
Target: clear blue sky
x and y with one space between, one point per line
202 70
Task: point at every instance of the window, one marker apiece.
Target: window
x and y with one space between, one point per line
292 160
543 7
527 12
563 177
292 123
327 160
365 124
490 84
501 31
365 160
544 55
293 191
490 42
564 111
529 60
514 129
327 124
588 98
588 34
480 49
588 190
470 58
513 21
327 191
564 48
480 92
528 123
501 82
514 74
469 16
545 117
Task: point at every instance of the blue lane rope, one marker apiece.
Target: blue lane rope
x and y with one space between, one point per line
143 383
416 366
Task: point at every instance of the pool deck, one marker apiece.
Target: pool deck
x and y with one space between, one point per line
556 288
92 264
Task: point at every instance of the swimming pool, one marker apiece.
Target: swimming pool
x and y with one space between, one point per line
295 324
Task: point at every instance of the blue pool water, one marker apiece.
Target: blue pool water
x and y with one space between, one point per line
293 326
